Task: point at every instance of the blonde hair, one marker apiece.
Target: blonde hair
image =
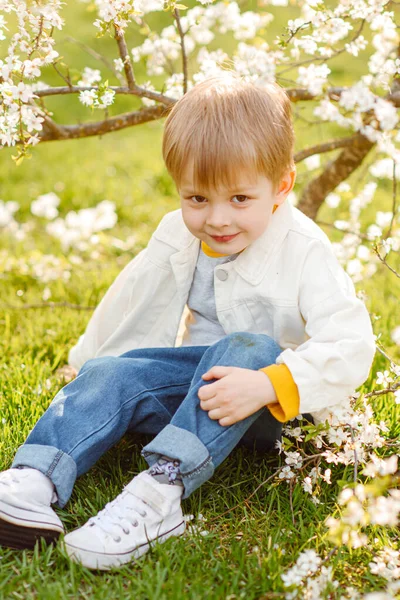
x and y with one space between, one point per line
225 124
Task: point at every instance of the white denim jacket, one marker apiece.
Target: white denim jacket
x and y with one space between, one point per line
287 284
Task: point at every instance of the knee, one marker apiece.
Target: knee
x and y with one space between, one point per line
103 367
252 342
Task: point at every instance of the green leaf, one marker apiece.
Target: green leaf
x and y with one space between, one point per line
18 159
343 483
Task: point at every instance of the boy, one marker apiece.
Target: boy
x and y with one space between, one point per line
273 328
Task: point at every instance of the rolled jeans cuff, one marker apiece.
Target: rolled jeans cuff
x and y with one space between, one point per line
177 443
52 462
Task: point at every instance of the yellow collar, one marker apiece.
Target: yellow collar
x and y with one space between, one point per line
210 252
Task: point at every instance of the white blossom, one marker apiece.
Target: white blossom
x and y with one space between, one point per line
384 511
87 97
89 77
396 335
386 564
379 466
78 227
333 200
313 77
46 206
386 113
286 473
146 6
307 485
384 378
105 99
294 459
7 210
118 64
356 46
358 96
313 162
307 563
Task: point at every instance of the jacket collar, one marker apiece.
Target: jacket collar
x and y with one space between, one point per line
251 264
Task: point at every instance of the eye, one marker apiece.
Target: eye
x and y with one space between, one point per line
241 199
197 199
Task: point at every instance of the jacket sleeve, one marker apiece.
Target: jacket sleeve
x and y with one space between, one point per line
337 357
108 314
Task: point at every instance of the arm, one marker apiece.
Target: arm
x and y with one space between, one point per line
142 289
337 357
107 315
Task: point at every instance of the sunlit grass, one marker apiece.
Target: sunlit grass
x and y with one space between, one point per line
247 548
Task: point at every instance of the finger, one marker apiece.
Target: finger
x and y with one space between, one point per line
209 404
217 372
215 414
206 392
226 421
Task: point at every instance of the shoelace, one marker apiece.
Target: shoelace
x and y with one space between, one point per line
113 515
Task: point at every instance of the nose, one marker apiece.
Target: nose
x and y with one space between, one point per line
218 217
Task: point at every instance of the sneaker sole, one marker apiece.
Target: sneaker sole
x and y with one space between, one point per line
104 562
20 535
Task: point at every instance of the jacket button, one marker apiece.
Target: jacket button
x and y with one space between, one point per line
222 275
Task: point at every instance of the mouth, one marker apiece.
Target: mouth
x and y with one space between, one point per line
223 238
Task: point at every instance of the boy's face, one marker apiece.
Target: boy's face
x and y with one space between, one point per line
226 219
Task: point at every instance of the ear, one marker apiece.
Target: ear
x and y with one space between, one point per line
286 185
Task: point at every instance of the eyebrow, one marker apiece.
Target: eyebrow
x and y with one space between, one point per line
230 190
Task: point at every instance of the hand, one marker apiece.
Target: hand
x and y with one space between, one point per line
237 394
67 372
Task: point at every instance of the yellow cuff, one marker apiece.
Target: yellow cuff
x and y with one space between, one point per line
286 390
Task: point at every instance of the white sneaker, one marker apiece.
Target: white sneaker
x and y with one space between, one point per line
25 513
145 512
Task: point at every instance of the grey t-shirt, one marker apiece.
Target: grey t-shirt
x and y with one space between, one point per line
202 325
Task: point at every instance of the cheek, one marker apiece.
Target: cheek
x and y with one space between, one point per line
256 223
192 219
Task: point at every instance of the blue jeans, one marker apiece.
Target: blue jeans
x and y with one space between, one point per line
152 391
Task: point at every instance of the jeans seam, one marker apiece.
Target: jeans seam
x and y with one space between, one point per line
55 462
120 408
199 468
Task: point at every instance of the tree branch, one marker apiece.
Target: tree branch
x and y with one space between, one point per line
383 261
341 168
100 127
124 54
326 147
315 59
389 390
136 91
335 172
394 202
361 236
67 78
51 129
334 93
184 57
300 94
97 56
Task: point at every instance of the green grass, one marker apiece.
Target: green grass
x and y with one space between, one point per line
238 558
